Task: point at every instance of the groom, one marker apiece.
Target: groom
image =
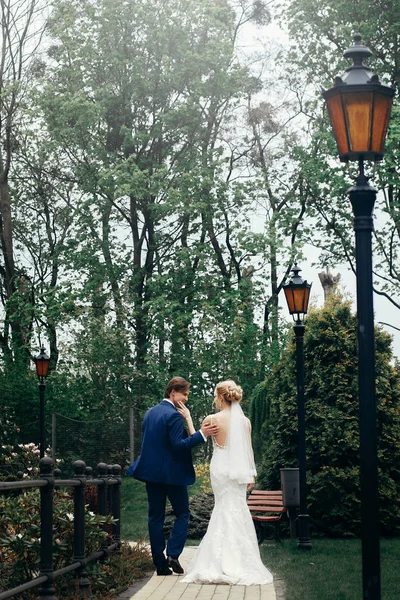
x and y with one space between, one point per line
165 464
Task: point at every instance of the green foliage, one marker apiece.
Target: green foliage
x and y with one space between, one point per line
332 429
201 506
19 406
258 415
23 458
143 154
20 534
320 31
121 570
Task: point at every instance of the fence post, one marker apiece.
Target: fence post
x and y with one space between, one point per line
102 503
116 505
46 529
131 434
109 488
79 528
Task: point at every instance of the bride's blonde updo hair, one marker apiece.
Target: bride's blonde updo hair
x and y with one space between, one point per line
229 390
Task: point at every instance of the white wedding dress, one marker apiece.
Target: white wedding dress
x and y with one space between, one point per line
229 551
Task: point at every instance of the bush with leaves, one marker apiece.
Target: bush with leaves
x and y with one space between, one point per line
20 534
200 506
122 569
202 471
20 460
332 422
23 458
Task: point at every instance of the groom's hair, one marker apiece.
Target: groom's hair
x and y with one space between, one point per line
179 384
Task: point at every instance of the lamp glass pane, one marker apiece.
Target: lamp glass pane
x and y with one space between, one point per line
306 298
358 110
289 299
382 106
299 295
42 367
335 109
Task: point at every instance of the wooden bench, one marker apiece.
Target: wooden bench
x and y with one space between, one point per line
266 509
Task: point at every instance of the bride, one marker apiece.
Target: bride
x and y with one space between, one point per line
229 552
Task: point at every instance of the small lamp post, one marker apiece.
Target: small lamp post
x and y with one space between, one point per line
42 362
359 108
297 293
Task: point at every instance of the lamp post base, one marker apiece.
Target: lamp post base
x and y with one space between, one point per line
304 541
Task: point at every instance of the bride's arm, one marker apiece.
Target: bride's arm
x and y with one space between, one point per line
185 412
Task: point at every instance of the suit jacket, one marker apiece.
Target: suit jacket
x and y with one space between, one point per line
166 448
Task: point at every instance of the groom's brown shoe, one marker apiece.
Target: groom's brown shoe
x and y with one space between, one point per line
175 565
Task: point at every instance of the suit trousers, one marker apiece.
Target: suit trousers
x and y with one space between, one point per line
157 494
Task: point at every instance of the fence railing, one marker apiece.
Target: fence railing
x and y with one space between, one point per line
108 483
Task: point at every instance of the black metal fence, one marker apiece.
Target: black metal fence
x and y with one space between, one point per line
108 483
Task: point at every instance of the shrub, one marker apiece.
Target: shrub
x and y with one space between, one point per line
203 476
332 426
20 535
21 458
201 506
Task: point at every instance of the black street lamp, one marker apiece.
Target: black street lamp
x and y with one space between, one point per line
42 362
297 293
359 108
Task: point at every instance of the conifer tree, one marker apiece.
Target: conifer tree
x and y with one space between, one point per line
332 422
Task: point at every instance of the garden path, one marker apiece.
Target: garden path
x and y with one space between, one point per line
170 588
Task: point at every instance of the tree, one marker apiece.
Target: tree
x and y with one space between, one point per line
22 27
142 153
321 31
144 139
332 429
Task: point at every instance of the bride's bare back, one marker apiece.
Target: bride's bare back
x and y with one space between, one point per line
222 419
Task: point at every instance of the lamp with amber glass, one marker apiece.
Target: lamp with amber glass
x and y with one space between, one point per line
42 362
359 108
297 293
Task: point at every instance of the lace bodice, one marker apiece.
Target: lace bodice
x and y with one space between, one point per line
216 445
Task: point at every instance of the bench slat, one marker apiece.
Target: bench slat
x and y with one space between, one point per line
274 509
268 502
266 492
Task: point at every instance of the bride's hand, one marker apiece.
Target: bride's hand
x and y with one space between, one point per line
182 410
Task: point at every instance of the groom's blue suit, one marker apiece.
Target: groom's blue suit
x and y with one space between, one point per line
165 464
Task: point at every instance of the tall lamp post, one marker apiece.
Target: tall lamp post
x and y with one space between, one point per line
359 108
42 362
297 293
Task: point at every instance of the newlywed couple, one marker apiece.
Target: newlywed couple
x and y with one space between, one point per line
229 551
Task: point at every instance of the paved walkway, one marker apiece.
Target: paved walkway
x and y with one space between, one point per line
170 588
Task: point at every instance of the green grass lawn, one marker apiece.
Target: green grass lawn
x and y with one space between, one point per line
330 571
134 508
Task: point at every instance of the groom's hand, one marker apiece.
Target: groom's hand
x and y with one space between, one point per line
208 429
